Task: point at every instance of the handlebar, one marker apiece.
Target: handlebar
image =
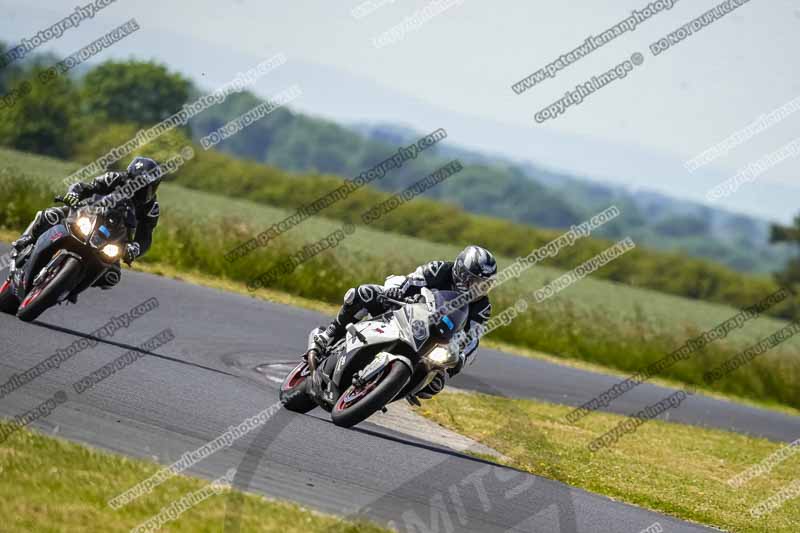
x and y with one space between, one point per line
410 300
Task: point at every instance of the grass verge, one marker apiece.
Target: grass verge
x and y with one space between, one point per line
671 468
51 485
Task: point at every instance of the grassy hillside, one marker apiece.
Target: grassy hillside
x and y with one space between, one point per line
498 187
594 320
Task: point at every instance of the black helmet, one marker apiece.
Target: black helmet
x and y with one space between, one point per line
146 175
475 269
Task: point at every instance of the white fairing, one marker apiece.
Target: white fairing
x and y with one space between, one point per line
375 332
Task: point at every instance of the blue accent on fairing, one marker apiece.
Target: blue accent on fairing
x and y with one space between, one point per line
449 322
104 230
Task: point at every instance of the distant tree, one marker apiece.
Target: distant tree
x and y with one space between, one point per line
8 73
103 139
43 118
134 91
789 234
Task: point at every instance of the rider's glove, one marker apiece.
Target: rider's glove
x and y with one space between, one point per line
72 199
132 251
395 293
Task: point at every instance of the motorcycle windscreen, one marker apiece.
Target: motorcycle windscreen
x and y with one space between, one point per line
453 311
439 319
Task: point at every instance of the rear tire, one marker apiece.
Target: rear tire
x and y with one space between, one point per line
41 299
293 390
390 383
8 302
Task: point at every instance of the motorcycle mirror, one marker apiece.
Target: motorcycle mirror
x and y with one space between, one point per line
351 329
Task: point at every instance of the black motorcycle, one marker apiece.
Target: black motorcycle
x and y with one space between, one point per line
68 258
380 360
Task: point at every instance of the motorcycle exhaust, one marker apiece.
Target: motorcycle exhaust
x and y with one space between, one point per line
311 351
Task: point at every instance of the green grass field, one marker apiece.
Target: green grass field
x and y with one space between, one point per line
597 321
672 468
51 485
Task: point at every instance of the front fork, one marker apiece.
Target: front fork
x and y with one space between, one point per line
58 258
57 261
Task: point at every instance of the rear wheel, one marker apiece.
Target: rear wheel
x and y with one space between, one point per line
293 390
46 295
357 404
8 302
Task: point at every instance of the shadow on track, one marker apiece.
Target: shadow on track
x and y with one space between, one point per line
128 347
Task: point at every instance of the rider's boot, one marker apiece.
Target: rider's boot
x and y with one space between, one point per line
31 234
327 338
26 239
351 310
23 242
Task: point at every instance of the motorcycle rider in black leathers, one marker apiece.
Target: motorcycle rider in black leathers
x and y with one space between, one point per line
474 267
142 178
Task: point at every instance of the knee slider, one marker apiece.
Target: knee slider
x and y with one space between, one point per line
52 216
349 296
111 278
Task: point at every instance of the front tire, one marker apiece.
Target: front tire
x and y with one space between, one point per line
8 302
293 390
357 404
44 297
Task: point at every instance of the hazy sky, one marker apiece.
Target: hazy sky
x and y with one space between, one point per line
458 67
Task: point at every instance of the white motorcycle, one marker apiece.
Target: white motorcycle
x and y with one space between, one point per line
380 360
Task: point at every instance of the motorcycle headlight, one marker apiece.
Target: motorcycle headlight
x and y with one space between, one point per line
111 250
84 225
440 355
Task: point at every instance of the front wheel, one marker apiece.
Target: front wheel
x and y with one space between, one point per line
293 390
47 293
357 404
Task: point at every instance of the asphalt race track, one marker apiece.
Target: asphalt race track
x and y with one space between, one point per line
188 392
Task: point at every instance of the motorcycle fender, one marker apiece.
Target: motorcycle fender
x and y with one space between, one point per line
381 361
48 243
374 332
